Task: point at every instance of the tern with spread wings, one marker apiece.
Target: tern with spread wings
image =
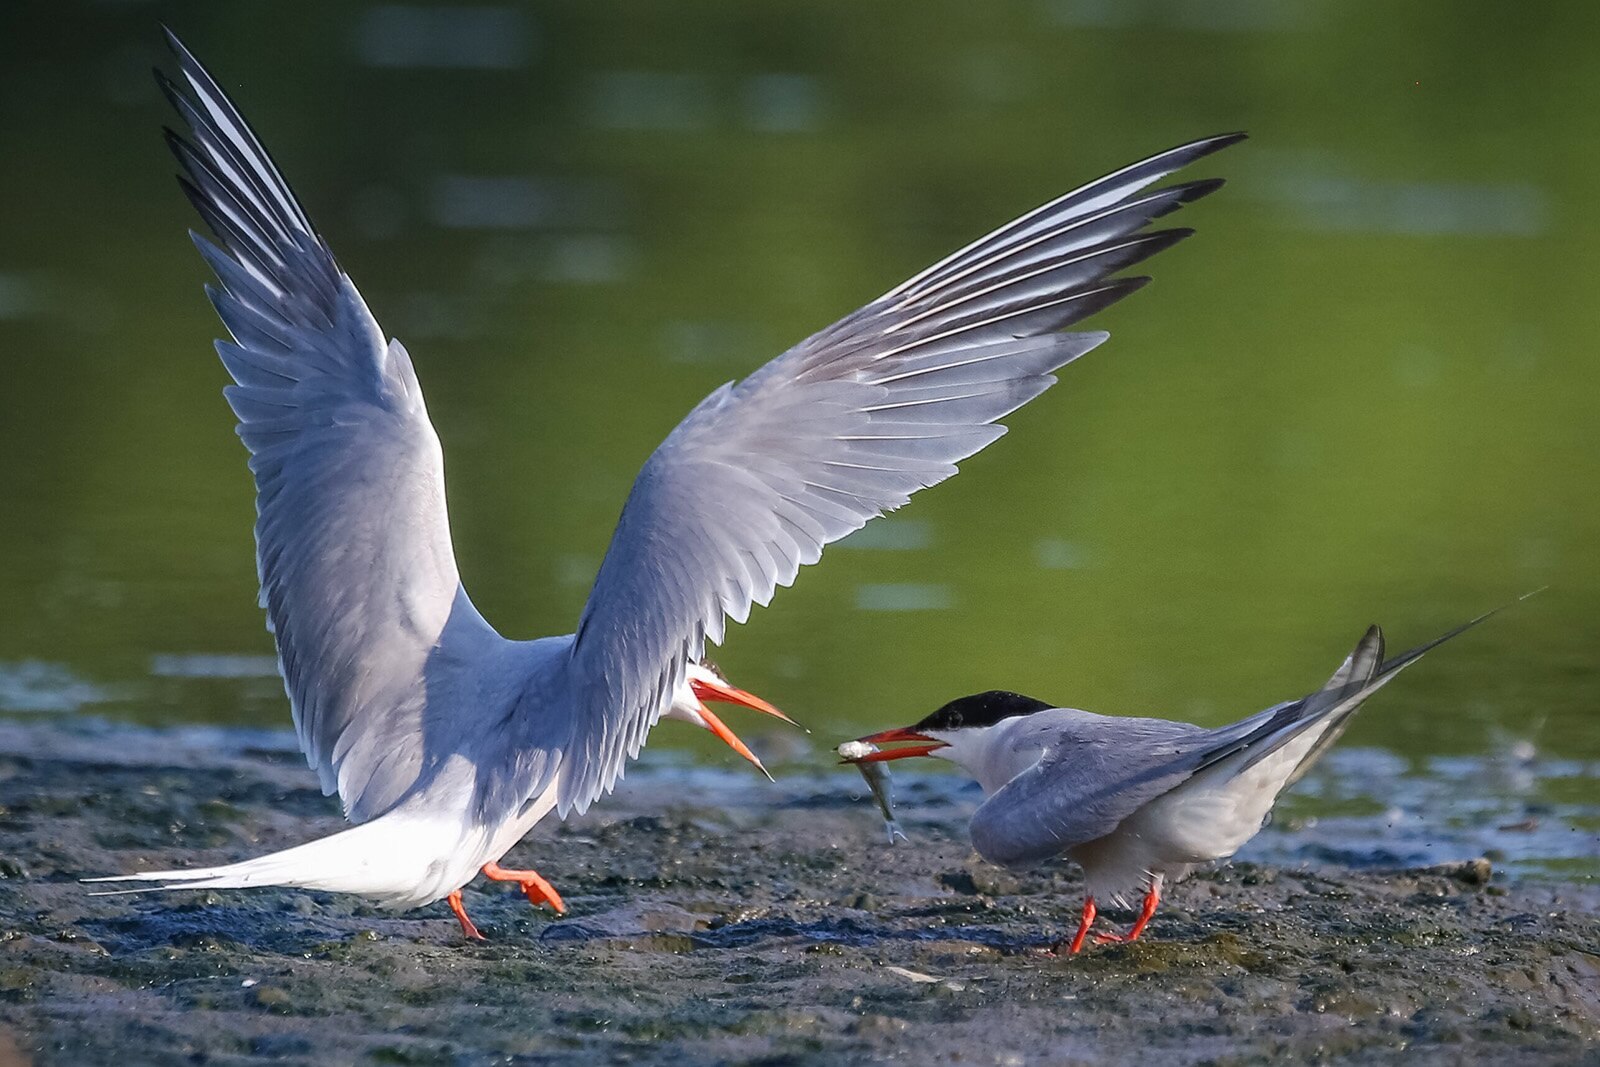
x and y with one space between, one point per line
447 742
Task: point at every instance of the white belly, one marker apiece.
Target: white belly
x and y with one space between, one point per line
439 863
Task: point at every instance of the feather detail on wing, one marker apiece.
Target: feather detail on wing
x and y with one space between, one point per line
353 544
843 427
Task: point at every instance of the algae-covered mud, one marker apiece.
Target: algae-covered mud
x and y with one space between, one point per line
714 918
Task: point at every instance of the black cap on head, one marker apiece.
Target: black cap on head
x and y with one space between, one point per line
981 709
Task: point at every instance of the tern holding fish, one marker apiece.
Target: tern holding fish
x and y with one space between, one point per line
877 778
1136 803
447 742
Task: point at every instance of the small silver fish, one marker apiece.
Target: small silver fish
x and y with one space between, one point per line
877 777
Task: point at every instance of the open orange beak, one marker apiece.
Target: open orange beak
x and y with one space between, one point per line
922 745
727 694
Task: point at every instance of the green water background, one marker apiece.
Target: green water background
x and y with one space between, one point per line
1364 392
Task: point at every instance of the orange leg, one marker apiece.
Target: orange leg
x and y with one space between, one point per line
537 889
461 914
1083 929
1152 898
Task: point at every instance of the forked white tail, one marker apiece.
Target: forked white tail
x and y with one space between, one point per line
400 860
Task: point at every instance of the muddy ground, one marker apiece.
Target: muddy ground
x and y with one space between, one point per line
717 919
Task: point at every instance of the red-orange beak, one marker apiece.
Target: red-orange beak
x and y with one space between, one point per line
923 746
731 739
727 694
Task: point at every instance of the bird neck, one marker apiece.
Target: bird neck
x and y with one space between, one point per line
991 754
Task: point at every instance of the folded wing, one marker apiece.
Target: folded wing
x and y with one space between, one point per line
1083 789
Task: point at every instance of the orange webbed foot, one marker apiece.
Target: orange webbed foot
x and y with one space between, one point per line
537 890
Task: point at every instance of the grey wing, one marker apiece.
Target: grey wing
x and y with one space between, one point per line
358 578
841 428
1098 771
1104 769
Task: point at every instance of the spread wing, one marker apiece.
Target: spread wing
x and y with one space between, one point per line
841 428
358 578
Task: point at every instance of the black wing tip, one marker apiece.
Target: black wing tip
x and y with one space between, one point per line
1163 239
168 87
1103 296
182 150
194 194
178 144
1216 143
180 51
1190 151
1184 193
176 46
208 213
1189 192
1143 246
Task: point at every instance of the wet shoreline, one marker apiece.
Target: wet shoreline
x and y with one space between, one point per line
719 919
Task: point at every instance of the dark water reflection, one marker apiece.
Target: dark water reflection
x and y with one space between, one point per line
1365 392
